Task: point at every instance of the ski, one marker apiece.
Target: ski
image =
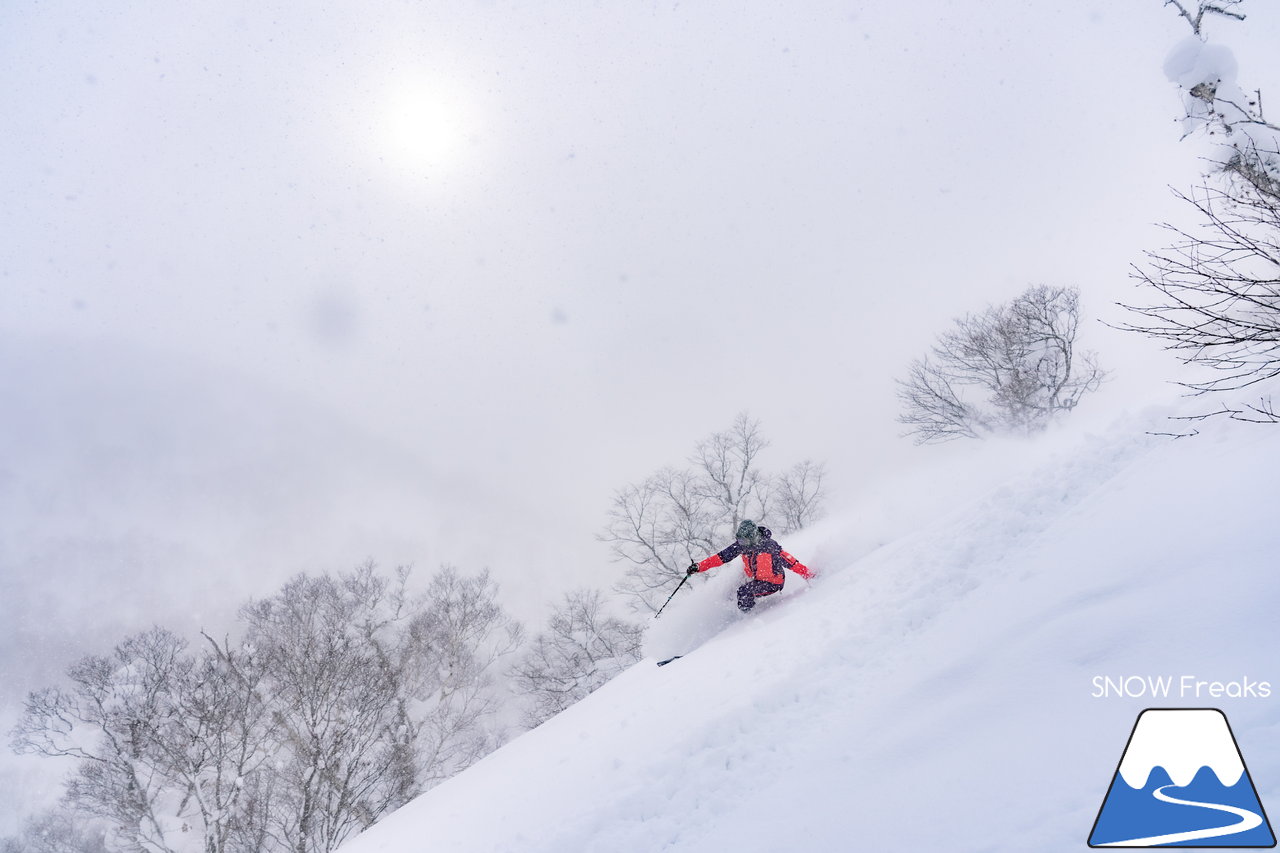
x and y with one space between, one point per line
669 660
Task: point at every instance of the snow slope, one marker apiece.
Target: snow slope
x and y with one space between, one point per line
932 693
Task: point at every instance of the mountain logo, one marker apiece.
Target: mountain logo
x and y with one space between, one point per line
1182 782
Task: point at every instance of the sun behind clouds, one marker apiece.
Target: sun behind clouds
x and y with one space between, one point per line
424 125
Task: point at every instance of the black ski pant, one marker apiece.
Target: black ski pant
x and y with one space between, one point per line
751 590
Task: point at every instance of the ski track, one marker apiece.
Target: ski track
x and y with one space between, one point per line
1248 820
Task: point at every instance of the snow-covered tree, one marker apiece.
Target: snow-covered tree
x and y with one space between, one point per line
580 650
1012 368
345 697
60 830
339 739
1213 295
375 694
457 646
656 526
119 719
1215 103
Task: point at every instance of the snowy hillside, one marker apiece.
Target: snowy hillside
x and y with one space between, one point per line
932 692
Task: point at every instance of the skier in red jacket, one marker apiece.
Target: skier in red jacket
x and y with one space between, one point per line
763 561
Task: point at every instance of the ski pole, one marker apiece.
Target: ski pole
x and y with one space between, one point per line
683 581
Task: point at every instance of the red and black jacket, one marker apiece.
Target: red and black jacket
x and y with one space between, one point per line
763 562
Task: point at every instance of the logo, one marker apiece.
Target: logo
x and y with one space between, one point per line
1181 782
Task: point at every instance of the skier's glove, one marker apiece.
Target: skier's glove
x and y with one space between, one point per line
692 570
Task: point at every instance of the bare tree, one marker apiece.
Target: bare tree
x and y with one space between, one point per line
798 495
377 694
346 697
1012 368
1216 288
332 696
656 526
119 721
729 480
1227 8
101 721
455 647
580 650
165 740
1218 295
227 717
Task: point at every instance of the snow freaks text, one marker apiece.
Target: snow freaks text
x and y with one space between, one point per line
1177 687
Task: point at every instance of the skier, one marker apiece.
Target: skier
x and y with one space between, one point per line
763 560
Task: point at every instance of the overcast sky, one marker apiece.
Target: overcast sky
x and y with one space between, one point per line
399 279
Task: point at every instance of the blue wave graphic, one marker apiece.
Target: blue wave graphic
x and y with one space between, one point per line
1138 813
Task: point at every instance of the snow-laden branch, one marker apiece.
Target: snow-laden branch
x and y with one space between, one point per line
1217 106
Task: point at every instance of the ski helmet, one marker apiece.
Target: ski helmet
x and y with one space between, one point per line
748 534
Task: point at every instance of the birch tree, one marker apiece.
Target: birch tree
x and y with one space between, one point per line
580 650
